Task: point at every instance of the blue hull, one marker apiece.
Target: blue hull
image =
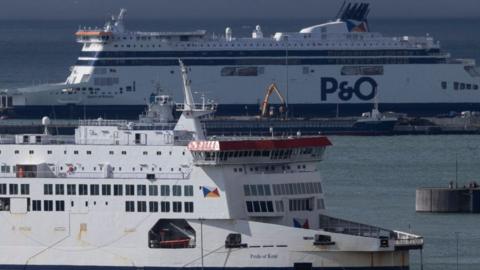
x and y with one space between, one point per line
295 110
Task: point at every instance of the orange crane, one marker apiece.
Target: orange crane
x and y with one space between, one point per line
264 107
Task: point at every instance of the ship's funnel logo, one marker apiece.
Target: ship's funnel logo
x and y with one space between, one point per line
301 223
210 192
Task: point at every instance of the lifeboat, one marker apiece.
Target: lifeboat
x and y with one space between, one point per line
179 243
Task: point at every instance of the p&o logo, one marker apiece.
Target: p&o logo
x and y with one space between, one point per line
364 88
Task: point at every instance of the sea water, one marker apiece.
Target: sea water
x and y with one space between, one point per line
366 179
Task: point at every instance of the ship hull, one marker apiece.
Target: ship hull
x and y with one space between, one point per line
295 110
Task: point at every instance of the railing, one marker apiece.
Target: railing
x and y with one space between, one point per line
198 107
336 225
102 122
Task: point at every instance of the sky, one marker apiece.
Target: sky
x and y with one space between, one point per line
232 9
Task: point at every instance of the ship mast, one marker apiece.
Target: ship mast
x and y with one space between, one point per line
190 117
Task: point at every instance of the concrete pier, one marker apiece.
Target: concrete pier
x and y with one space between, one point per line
448 200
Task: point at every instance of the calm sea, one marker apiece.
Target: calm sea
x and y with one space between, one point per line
367 179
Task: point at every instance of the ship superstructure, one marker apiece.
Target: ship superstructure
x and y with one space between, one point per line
322 70
131 196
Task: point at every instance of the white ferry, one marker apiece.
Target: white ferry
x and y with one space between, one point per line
120 195
323 70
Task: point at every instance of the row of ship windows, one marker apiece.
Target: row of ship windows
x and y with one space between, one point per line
153 207
118 190
141 206
283 189
31 170
297 188
305 204
106 189
14 190
460 86
269 168
38 139
274 154
231 45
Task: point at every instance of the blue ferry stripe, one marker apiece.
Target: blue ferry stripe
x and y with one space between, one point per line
259 61
126 111
256 53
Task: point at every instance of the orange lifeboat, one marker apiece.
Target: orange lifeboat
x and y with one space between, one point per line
180 243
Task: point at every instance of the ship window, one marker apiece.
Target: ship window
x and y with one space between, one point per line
266 188
5 169
49 152
145 153
129 206
153 190
129 190
106 190
301 204
47 189
176 190
3 189
188 207
164 190
153 206
475 87
444 85
456 85
141 190
59 206
83 189
13 189
165 207
71 189
94 190
142 206
59 189
188 190
469 86
256 206
253 190
159 153
246 190
240 71
260 190
48 205
89 152
279 206
16 151
462 86
111 152
31 152
249 206
320 204
117 190
177 207
37 205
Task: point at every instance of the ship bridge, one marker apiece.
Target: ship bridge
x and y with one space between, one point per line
255 151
